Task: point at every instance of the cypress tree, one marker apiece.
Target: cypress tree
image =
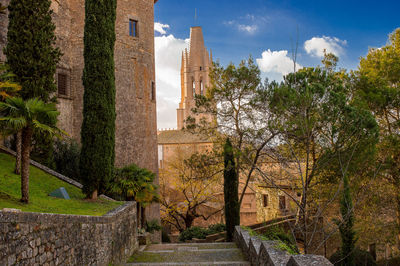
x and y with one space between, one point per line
32 56
346 229
231 190
30 51
98 127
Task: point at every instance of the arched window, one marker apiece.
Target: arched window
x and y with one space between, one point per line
194 88
201 87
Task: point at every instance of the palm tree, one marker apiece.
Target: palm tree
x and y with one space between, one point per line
8 88
30 116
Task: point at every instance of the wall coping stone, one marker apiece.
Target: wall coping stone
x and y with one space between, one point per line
265 252
308 260
24 217
254 250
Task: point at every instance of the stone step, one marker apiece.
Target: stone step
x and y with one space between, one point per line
190 254
233 263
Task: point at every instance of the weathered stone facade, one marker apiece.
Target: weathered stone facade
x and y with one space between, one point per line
136 128
57 239
195 70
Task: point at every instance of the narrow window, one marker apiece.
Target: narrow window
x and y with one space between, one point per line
194 88
282 202
153 91
133 31
201 88
265 200
62 83
201 68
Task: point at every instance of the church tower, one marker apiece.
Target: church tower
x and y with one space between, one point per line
195 69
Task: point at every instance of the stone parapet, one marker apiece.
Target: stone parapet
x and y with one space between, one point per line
59 239
261 252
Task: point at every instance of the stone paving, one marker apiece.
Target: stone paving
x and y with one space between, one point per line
189 254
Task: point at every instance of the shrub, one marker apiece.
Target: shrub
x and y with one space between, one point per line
153 225
277 233
361 258
193 232
66 158
216 228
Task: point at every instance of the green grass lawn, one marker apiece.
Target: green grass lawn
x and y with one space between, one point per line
40 185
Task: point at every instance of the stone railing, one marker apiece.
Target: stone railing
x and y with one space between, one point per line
54 239
260 252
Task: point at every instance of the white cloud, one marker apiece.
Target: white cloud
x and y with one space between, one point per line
276 64
316 45
168 52
160 28
248 28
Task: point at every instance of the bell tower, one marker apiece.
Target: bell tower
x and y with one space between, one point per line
195 69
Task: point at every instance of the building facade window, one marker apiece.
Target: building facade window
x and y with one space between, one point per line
201 88
194 88
62 84
133 28
265 200
282 203
153 91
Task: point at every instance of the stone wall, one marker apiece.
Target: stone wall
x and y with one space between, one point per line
57 239
260 252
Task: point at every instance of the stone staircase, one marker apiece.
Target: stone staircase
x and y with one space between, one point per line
226 253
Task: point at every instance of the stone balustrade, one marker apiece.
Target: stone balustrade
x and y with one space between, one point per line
260 252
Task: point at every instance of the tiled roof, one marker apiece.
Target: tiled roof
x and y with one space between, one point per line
179 137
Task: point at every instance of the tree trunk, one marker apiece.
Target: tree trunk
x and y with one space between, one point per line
143 218
398 216
18 144
25 162
93 196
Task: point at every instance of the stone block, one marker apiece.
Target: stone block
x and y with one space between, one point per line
271 256
309 260
254 250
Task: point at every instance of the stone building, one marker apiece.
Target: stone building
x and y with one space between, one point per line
195 70
136 129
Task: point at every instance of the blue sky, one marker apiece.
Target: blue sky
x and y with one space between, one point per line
268 30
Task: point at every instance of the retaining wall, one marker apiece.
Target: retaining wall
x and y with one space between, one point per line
260 252
57 239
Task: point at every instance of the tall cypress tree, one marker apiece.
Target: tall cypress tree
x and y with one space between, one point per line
32 56
98 127
346 229
231 190
31 52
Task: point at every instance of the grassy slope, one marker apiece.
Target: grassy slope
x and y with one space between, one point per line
40 185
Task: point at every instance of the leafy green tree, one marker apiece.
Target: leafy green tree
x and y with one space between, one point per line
98 127
379 87
346 226
28 116
233 100
231 187
320 134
